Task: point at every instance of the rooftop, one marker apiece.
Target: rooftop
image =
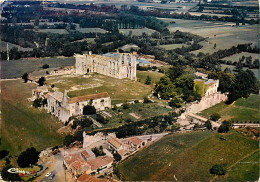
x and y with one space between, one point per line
115 142
56 95
87 153
135 140
100 162
88 97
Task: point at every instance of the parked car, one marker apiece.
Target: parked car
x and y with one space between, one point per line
51 176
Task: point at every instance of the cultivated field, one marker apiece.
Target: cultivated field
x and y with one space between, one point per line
16 68
241 110
188 157
137 31
221 33
119 90
23 126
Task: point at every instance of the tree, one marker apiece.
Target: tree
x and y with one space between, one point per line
89 110
3 153
146 100
218 169
215 117
208 125
175 72
165 88
224 127
45 66
29 157
68 140
41 81
148 80
175 102
117 157
25 77
244 84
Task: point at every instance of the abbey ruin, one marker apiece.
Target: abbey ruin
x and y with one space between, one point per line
117 65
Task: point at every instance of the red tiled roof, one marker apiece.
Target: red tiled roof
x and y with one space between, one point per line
100 162
135 140
88 97
115 142
122 152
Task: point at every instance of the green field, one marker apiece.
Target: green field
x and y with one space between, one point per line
172 46
119 90
16 68
242 110
155 76
236 57
58 31
137 32
187 156
23 126
91 30
3 47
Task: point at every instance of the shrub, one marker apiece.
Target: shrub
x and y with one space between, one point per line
25 77
215 117
146 100
125 106
9 176
218 169
98 151
37 103
208 125
117 157
41 81
101 119
45 66
224 127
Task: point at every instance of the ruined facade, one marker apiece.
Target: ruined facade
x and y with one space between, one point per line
116 65
63 107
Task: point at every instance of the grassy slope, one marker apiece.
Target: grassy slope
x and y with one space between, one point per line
23 126
155 76
243 109
188 156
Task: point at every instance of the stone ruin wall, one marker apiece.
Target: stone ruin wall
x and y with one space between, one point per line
205 103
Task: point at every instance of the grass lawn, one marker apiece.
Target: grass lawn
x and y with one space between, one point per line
16 68
155 76
140 110
187 156
243 109
119 90
137 32
22 125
